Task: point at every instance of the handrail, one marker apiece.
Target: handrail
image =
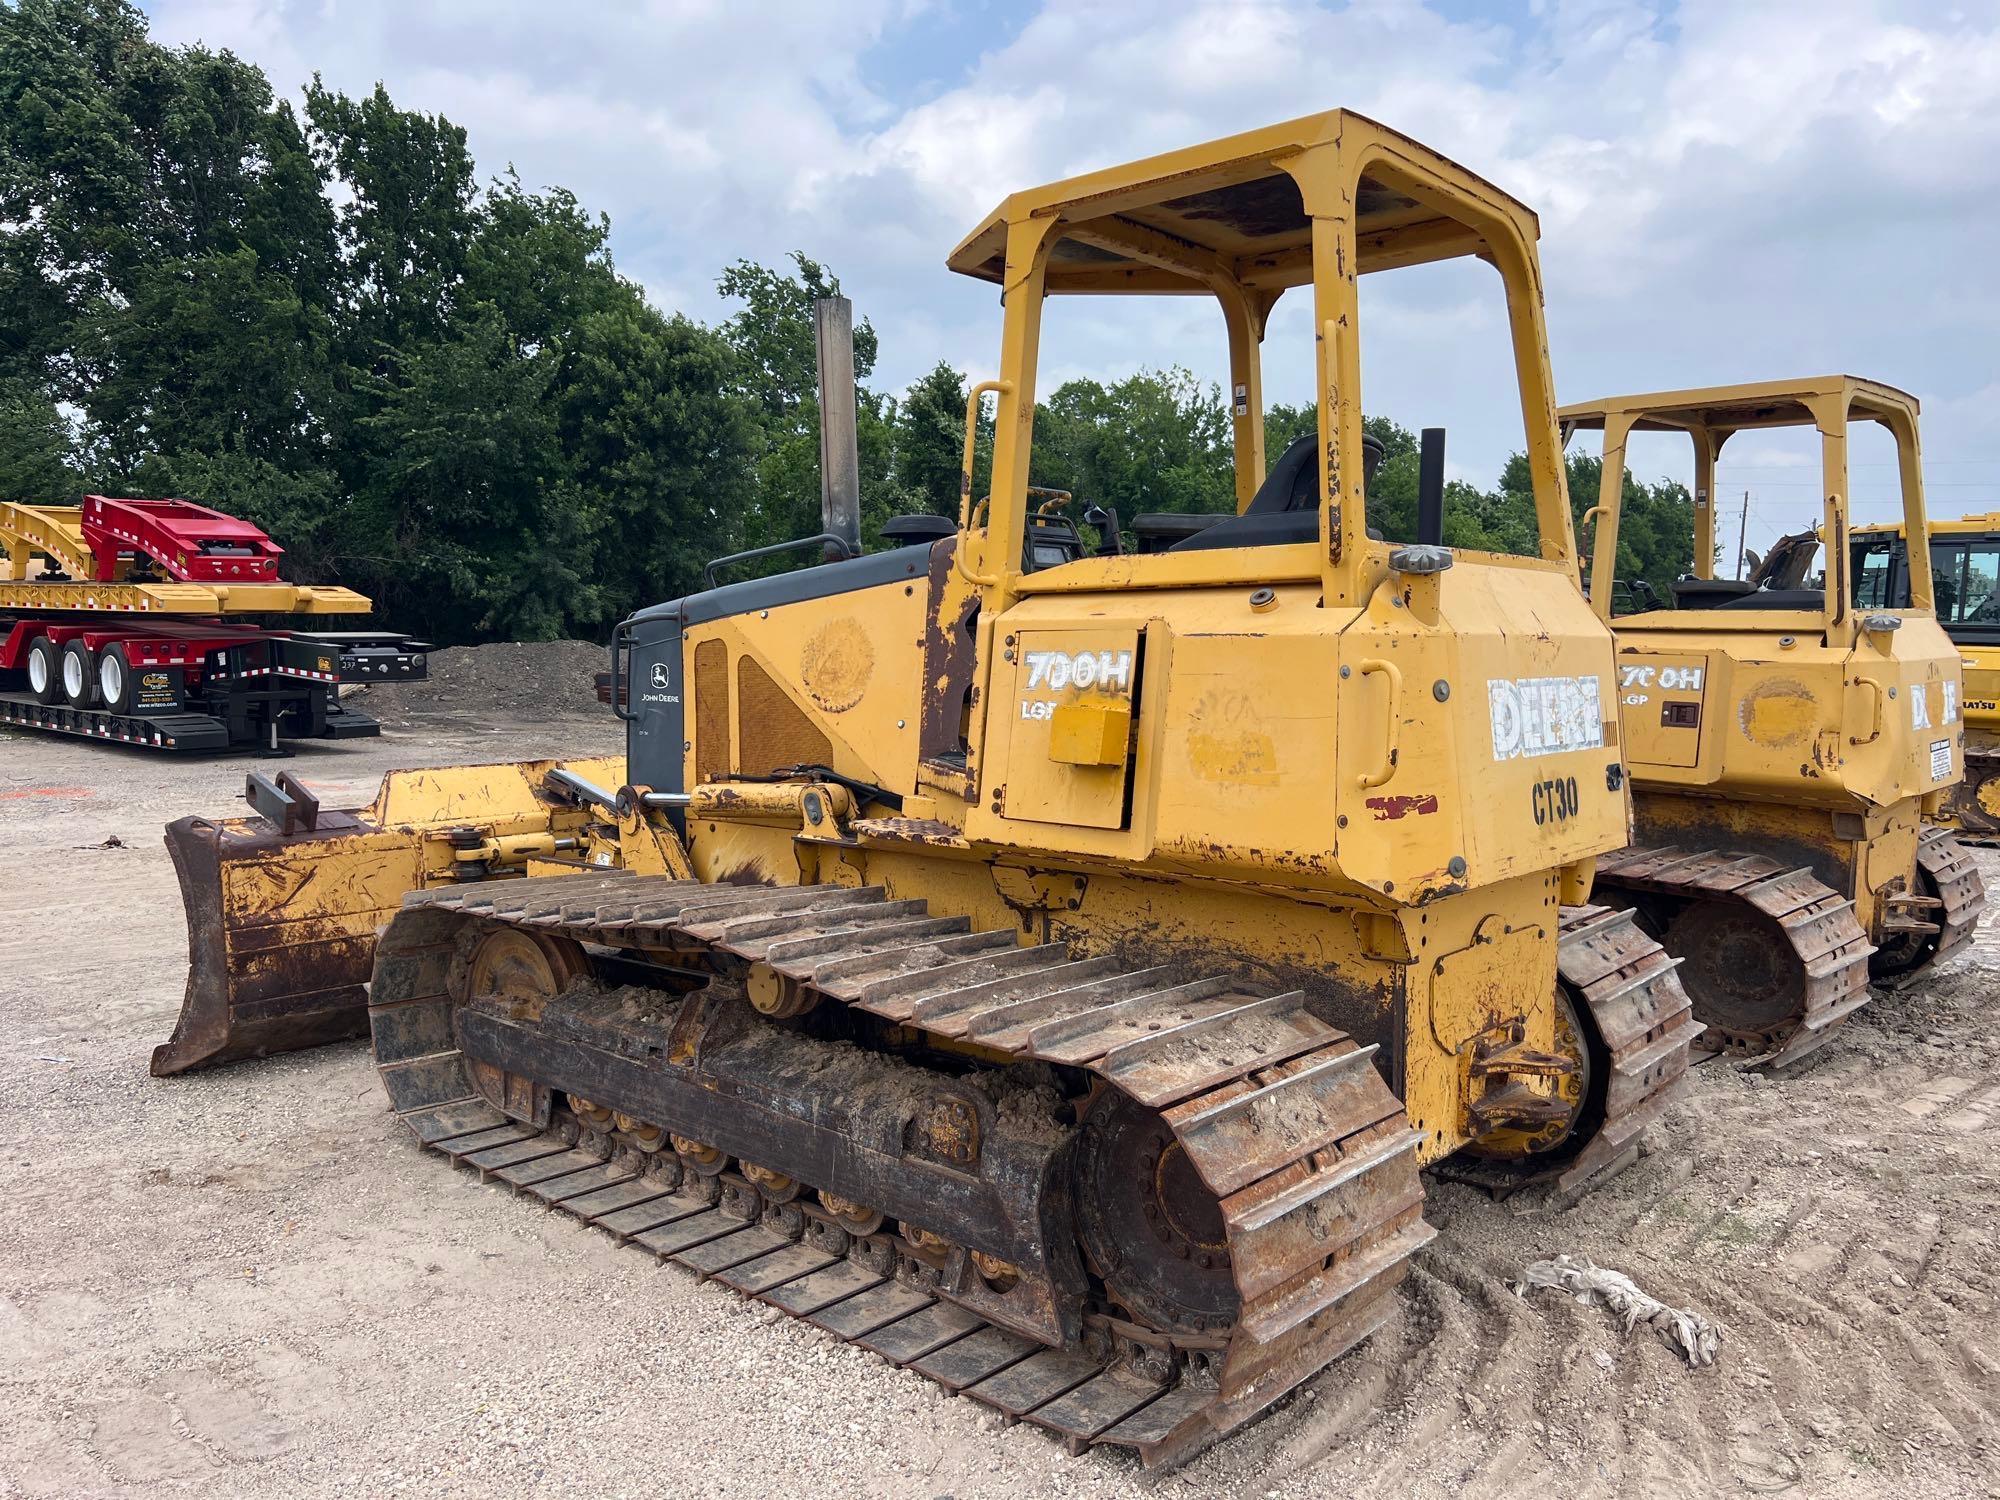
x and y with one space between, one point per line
620 637
1387 669
965 506
823 539
1875 722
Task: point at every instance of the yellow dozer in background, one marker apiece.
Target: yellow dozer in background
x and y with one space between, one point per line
1965 577
1784 744
1051 970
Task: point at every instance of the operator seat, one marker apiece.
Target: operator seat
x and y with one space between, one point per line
1286 505
1708 593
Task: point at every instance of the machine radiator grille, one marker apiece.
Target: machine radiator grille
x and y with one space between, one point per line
776 731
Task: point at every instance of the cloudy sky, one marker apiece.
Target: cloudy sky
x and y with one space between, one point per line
1728 189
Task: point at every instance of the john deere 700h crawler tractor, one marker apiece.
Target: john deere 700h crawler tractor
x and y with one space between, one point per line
1784 744
1051 970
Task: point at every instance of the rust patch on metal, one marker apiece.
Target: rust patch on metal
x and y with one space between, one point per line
926 831
1387 809
948 659
947 1131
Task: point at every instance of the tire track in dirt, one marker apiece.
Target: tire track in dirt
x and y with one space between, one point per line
1838 1224
250 1255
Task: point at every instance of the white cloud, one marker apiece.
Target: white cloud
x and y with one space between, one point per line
1728 189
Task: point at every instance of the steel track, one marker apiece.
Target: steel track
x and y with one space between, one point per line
1286 1119
1817 923
1948 865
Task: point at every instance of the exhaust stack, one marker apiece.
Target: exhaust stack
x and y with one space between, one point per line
839 440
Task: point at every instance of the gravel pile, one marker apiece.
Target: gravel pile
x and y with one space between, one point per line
508 679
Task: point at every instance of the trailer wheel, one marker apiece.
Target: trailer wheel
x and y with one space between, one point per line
114 679
79 675
44 670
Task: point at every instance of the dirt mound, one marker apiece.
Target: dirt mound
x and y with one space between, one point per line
510 680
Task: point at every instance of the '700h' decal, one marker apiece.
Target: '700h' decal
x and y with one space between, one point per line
1054 670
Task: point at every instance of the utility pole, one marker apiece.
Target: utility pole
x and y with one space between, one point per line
1742 524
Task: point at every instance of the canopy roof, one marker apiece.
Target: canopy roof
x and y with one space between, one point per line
1173 223
1987 524
1771 403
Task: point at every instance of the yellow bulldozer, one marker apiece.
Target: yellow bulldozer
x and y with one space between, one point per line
1050 967
1785 742
1965 581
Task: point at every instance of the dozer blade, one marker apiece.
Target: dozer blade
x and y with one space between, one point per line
281 926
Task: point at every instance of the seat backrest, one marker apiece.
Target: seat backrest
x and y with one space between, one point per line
1292 482
908 530
1708 593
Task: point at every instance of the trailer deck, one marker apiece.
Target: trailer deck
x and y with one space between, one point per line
129 621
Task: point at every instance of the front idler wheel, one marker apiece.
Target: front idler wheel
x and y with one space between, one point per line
523 971
1741 973
1151 1229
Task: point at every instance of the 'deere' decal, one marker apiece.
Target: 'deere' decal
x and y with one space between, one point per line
1544 715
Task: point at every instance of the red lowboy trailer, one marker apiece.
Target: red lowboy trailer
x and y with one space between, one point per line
123 620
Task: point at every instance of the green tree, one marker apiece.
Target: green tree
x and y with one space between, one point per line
35 456
165 255
74 198
444 395
662 453
1655 521
407 226
1155 441
477 519
930 443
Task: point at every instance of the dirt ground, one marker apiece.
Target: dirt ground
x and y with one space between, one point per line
250 1282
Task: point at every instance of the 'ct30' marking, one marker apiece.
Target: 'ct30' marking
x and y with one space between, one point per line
1556 800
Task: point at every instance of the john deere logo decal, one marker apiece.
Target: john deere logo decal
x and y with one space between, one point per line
1543 715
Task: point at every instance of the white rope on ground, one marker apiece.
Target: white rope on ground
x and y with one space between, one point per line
1687 1332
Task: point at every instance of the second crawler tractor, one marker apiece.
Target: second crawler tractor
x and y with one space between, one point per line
1051 970
1785 744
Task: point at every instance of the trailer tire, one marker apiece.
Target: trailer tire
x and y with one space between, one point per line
44 670
79 675
116 682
